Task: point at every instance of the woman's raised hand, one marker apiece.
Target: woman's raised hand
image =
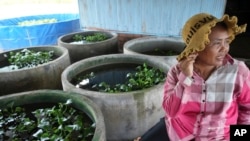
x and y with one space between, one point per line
187 64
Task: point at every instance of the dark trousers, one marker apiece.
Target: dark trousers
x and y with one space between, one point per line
157 133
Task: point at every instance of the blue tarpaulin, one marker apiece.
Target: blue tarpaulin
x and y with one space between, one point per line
14 36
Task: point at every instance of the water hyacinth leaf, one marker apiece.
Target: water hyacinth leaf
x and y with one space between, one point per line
59 122
38 133
28 58
143 77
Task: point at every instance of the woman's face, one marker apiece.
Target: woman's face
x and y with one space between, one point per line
215 52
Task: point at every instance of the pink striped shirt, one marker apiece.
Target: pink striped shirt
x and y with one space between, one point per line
204 110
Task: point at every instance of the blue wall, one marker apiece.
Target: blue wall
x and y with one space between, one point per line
150 17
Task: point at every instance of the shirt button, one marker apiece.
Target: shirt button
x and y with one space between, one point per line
204 90
203 100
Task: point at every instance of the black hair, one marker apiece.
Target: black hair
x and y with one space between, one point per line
222 24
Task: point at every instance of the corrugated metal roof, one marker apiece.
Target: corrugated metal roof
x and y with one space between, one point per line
151 17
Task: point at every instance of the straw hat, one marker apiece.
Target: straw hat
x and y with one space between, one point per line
196 30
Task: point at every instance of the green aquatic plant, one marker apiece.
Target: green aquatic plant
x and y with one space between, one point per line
36 22
96 37
28 58
143 77
59 122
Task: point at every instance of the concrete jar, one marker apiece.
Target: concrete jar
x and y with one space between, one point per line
140 46
127 114
79 102
44 76
85 50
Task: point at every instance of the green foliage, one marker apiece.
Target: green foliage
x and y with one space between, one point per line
61 122
96 37
144 77
85 77
14 121
36 22
78 37
29 58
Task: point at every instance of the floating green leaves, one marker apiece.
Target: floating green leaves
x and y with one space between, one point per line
28 58
96 37
144 77
36 22
61 122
